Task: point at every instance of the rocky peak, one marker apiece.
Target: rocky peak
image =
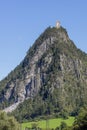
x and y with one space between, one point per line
53 62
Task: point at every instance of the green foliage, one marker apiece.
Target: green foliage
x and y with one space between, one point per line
34 125
81 120
53 123
8 123
63 126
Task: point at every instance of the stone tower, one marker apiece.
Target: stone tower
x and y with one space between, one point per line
57 24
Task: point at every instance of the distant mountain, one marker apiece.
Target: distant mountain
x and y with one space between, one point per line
52 78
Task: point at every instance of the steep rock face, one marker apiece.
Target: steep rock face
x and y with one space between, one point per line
52 64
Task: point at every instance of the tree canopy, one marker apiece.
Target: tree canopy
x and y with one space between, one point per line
8 122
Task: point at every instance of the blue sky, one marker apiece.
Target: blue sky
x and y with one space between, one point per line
22 21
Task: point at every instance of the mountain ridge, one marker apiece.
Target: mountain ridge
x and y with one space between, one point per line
53 71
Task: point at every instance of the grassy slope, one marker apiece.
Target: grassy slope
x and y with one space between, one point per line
53 123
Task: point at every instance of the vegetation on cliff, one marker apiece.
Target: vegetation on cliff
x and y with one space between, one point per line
51 80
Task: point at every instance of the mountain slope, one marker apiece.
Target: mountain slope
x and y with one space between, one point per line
53 73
